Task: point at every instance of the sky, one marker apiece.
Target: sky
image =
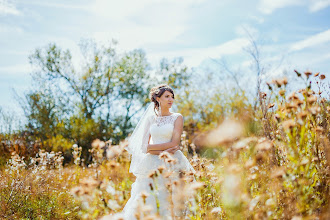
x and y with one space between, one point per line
294 33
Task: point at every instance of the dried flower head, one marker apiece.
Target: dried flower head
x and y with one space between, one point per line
308 73
227 132
288 124
271 105
164 155
161 168
282 92
302 115
265 145
311 99
278 173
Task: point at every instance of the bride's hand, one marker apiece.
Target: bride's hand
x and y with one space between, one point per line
172 150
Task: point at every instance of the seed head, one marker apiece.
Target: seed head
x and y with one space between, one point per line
311 99
308 73
288 124
271 105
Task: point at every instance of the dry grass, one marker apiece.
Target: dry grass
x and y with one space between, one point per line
282 174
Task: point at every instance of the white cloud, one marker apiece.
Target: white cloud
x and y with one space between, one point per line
10 29
63 5
134 36
7 8
122 9
246 29
144 23
193 57
316 5
15 70
268 6
311 41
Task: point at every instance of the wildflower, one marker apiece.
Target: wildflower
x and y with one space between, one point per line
298 74
284 80
152 174
161 168
289 124
302 115
270 202
175 183
197 185
316 74
114 164
319 129
167 174
234 168
252 177
90 182
293 96
311 99
278 173
277 117
304 161
216 210
271 105
322 76
144 196
164 155
292 106
281 92
308 73
171 160
110 189
314 110
227 132
263 95
315 159
249 164
254 202
151 187
112 204
265 145
259 157
113 151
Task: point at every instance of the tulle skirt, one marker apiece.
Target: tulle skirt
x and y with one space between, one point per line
158 198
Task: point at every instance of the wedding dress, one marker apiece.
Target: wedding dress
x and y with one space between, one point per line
161 130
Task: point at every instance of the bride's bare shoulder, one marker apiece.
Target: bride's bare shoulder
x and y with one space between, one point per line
177 115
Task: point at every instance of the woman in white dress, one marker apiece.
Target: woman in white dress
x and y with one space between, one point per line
158 131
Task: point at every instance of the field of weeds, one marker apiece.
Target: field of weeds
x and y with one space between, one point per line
281 174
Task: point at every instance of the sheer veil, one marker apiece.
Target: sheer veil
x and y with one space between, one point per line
138 142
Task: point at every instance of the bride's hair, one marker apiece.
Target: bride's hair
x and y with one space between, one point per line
158 91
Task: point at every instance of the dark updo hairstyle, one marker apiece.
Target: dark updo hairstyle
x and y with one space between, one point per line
158 91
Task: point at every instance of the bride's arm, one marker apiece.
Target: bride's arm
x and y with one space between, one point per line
176 137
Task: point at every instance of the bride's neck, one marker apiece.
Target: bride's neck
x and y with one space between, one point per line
165 112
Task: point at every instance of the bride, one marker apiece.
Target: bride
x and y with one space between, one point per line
157 161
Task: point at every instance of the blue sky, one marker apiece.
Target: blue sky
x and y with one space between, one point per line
296 31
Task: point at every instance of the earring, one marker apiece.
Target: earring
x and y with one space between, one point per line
160 109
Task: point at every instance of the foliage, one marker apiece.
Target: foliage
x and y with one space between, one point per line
100 99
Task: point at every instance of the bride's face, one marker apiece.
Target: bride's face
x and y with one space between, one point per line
166 100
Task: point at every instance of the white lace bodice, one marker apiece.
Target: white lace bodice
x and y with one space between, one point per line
161 128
